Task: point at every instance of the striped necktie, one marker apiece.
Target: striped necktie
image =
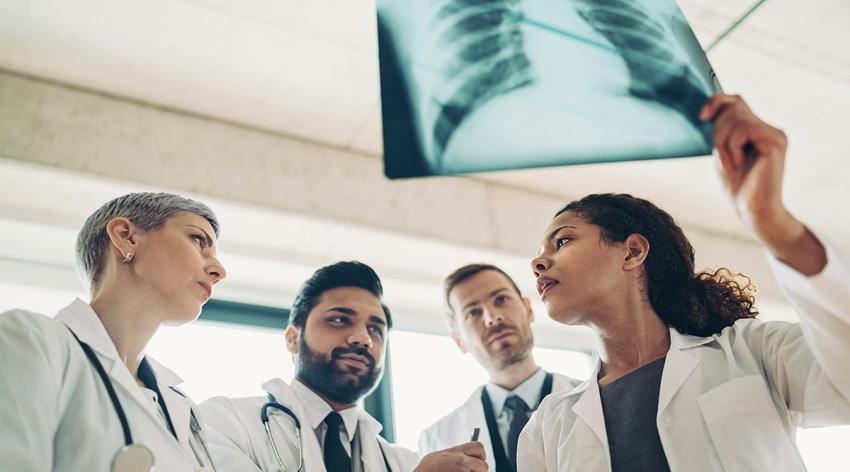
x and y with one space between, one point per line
519 418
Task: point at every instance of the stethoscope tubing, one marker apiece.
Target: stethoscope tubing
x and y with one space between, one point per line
122 416
113 397
264 418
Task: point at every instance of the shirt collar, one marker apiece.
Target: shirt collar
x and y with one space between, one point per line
316 409
528 391
84 322
685 341
165 377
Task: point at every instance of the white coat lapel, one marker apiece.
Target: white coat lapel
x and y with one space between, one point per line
562 382
588 408
179 406
678 366
472 416
85 324
313 459
310 447
373 459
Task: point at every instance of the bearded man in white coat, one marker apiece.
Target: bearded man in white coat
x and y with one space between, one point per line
337 334
490 319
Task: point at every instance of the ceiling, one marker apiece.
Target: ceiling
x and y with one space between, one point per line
309 70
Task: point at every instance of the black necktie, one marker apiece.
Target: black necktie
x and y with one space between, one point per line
336 458
518 420
658 70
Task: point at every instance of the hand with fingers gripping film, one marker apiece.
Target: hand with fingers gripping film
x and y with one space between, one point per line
751 163
751 155
467 457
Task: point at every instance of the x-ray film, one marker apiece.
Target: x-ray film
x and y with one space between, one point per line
483 85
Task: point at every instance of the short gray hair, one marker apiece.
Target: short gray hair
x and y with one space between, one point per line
147 210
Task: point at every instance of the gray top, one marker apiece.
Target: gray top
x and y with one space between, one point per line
630 405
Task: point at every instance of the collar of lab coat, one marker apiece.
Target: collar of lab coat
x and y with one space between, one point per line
316 409
677 368
289 396
84 322
179 405
472 413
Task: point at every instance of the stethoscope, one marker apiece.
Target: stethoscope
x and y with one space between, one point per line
264 418
133 457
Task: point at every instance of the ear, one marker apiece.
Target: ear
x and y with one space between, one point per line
459 343
292 335
527 302
122 235
637 249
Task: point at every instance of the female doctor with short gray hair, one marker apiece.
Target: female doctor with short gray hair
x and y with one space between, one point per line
78 392
687 379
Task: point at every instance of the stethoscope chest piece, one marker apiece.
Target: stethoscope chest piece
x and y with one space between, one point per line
133 458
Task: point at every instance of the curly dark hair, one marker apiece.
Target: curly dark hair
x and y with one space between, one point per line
699 304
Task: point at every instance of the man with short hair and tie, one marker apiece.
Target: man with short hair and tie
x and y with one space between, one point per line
337 334
490 319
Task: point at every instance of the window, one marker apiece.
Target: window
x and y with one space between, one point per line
226 359
212 358
36 299
222 358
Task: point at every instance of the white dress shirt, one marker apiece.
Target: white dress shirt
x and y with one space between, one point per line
317 409
528 391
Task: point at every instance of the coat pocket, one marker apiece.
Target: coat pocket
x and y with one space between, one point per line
582 451
746 428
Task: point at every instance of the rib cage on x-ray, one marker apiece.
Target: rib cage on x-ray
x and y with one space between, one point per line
647 47
477 49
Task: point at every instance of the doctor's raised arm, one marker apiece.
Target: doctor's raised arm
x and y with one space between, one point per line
814 274
687 377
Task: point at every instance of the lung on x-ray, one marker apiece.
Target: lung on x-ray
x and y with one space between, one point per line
484 85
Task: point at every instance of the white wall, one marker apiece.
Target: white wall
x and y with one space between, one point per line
287 206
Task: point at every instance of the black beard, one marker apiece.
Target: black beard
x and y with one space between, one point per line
330 380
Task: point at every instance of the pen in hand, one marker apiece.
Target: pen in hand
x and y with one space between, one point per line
475 432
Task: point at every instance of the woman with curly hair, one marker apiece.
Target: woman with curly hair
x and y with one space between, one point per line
687 379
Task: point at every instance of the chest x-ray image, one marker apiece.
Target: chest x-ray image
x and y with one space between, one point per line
481 85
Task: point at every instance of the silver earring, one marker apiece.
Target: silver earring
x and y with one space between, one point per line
128 258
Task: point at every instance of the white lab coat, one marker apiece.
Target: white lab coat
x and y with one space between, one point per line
55 413
456 427
731 401
238 441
